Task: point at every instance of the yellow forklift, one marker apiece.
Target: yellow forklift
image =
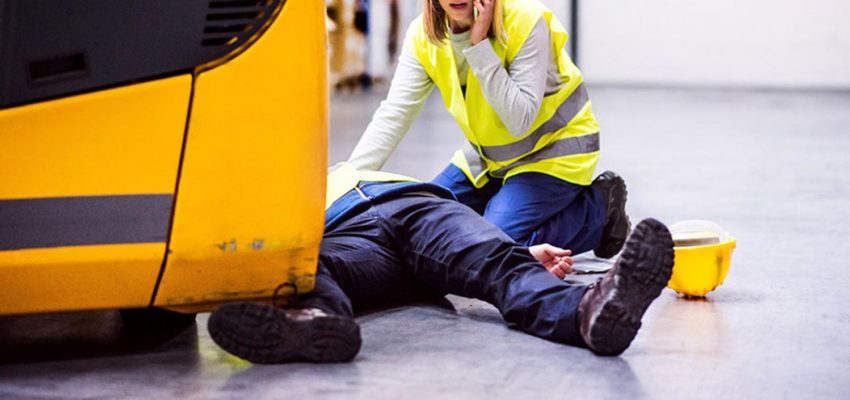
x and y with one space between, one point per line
164 154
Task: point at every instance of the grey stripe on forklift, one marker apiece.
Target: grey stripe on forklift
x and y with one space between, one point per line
82 221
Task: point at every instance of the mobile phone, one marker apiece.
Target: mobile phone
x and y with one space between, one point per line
474 10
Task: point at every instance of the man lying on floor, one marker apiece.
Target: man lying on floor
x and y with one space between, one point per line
389 239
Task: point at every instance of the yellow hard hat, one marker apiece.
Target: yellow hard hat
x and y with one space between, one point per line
703 255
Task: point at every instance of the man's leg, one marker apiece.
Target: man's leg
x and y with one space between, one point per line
455 180
365 264
358 268
265 334
452 250
610 313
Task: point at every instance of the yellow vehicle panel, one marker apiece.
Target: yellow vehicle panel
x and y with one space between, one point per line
250 203
180 192
119 141
78 278
90 179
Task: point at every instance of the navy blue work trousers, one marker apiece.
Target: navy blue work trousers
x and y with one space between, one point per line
534 208
401 248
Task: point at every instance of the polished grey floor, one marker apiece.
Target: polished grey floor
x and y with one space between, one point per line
772 167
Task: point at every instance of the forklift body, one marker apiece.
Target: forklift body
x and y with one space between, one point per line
160 153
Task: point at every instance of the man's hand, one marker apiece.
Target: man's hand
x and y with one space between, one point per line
481 26
555 259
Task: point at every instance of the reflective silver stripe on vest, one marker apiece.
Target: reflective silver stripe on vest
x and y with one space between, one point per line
564 147
476 164
565 113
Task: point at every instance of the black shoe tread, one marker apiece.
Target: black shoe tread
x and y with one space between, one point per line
266 335
617 223
645 268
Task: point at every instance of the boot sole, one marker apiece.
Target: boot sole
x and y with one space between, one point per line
263 334
645 268
621 224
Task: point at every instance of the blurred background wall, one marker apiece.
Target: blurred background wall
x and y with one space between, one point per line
785 44
746 43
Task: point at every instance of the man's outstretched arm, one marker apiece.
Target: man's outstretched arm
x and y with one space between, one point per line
555 259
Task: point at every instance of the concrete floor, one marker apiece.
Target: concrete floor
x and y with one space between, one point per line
769 166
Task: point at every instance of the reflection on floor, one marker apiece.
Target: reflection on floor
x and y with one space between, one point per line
769 166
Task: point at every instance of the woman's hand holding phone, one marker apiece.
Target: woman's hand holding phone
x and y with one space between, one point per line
483 19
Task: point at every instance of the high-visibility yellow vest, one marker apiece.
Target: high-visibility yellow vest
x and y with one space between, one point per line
563 141
350 191
344 178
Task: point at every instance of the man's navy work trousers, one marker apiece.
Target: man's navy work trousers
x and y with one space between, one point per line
400 248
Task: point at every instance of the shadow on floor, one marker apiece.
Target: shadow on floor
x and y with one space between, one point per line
92 334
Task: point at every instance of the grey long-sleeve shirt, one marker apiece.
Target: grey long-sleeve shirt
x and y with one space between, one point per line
516 94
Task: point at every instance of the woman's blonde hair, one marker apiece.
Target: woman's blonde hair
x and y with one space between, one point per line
437 24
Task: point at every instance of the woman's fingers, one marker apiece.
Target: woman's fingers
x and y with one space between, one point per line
484 7
481 26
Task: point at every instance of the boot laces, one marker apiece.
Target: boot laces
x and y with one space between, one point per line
284 300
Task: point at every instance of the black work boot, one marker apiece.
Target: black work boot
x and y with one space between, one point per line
617 224
609 314
263 334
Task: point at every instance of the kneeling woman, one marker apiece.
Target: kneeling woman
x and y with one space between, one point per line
533 142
